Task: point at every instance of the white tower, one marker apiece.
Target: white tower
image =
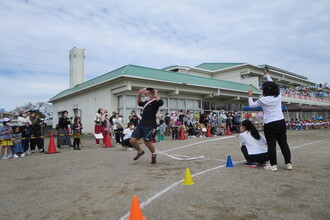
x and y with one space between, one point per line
77 57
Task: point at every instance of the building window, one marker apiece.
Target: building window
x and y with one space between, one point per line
130 101
197 104
173 103
190 104
206 106
120 101
181 103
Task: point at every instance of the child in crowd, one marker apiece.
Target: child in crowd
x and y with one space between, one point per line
174 119
76 128
127 135
161 130
5 137
17 147
202 130
253 145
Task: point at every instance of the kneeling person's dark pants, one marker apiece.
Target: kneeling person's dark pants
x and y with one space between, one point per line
126 143
260 158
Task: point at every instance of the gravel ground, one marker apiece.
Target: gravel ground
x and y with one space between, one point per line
99 183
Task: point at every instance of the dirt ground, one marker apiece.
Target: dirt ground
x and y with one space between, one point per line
99 183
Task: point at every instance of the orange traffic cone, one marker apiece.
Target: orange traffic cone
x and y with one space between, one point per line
182 137
51 146
136 213
228 132
107 140
208 132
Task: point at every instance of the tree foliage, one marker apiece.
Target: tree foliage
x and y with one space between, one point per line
44 109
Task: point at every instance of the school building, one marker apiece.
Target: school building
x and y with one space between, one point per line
206 87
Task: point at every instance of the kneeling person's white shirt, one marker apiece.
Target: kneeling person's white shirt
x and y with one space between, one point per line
127 133
253 145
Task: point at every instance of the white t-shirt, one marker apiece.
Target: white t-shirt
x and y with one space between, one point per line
271 105
253 145
127 133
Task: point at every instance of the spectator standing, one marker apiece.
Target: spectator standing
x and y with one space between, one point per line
36 136
25 127
118 126
160 131
63 130
167 120
134 118
99 129
76 128
17 147
6 135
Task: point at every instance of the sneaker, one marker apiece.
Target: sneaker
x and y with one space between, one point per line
23 154
249 164
270 167
4 157
153 158
41 150
139 155
288 166
15 156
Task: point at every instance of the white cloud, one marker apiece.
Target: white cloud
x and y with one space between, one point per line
36 36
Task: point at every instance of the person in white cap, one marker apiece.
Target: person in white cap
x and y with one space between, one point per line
5 138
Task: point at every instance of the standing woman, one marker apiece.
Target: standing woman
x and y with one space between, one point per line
64 130
274 123
118 127
99 119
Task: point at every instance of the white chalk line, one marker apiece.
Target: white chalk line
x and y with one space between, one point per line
179 157
200 142
148 201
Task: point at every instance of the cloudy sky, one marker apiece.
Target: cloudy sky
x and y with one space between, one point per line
36 36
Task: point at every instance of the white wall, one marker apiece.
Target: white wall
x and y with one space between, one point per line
88 103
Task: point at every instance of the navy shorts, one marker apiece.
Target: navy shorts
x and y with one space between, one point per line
142 132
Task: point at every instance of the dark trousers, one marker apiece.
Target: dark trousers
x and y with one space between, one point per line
276 131
174 133
25 142
260 158
39 142
76 143
118 135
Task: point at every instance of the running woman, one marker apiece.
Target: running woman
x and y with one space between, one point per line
148 122
274 123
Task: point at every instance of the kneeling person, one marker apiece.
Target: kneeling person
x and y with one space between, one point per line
127 136
253 145
148 122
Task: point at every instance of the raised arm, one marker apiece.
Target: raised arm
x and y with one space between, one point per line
157 95
266 72
251 103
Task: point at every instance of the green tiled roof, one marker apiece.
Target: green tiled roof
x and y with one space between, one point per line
157 74
217 66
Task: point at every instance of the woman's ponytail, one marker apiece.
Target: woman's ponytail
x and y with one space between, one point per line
251 128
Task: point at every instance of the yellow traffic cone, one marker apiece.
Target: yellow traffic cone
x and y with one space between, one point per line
187 178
